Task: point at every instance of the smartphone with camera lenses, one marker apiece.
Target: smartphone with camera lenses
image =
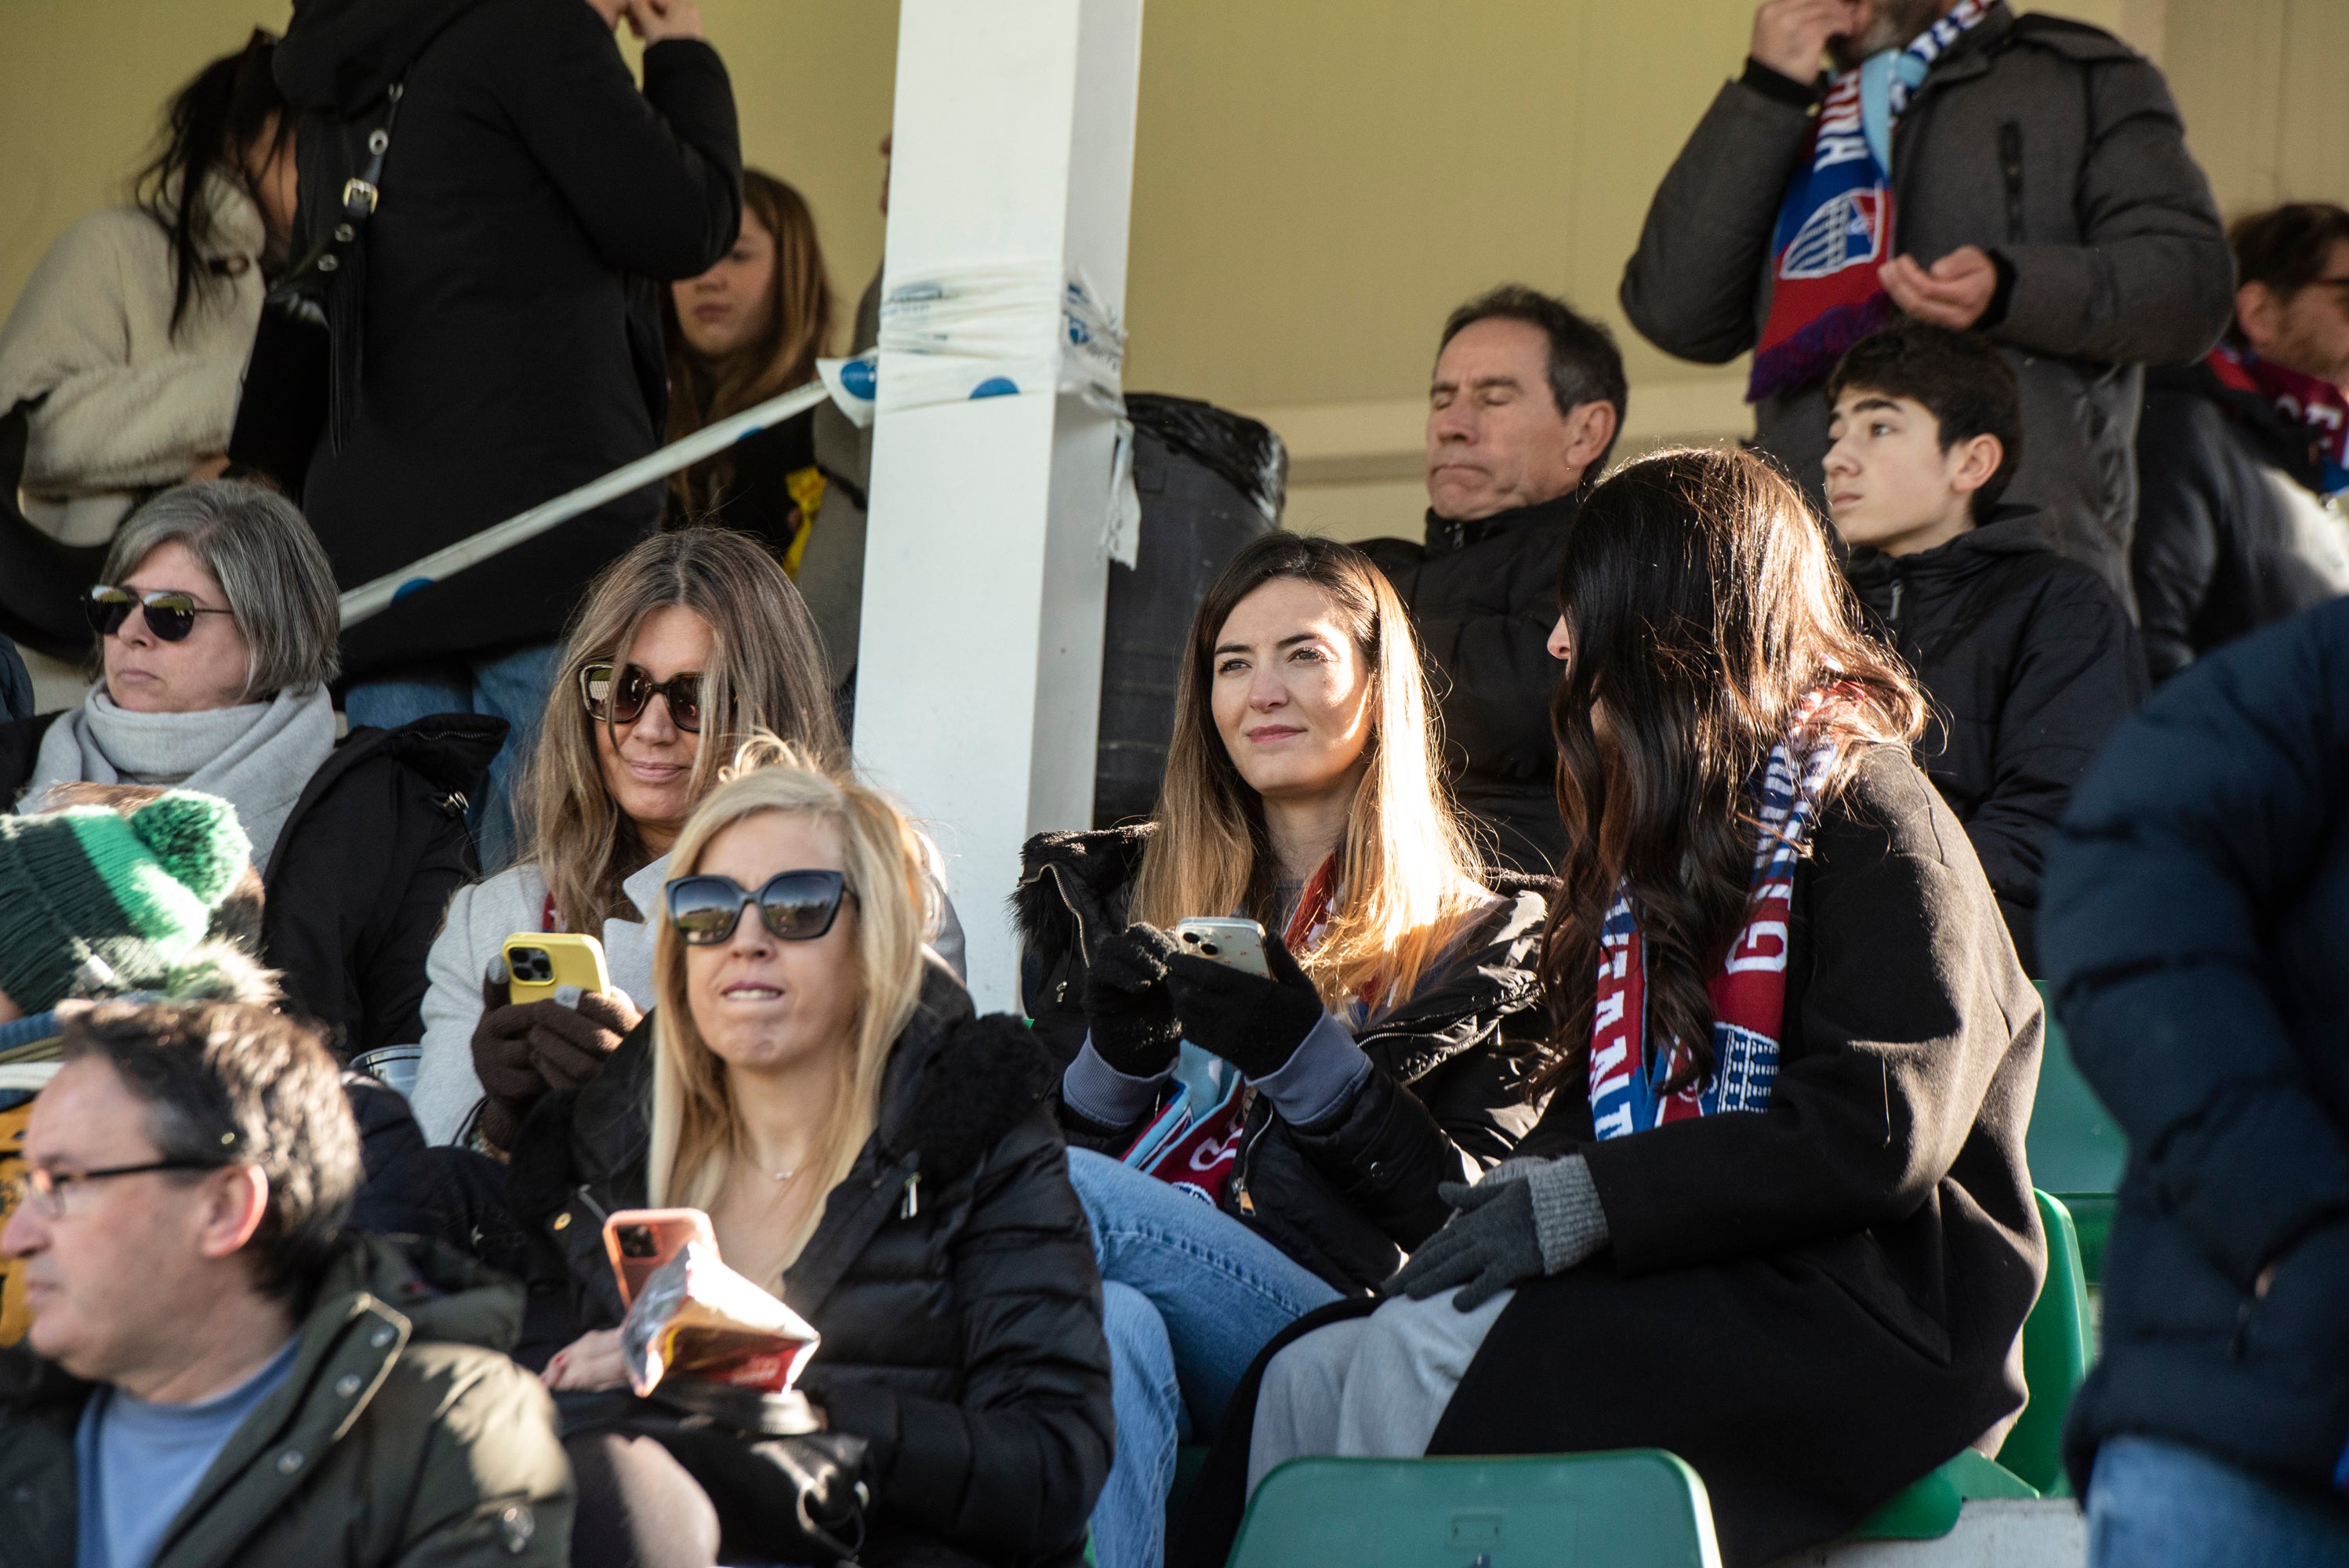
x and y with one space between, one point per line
1237 942
538 963
639 1241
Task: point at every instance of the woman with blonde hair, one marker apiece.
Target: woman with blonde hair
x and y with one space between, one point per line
683 647
867 1150
1327 1098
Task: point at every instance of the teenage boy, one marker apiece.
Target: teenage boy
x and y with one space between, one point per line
2028 659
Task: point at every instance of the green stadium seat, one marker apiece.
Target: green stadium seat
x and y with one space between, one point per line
1639 1508
2076 1150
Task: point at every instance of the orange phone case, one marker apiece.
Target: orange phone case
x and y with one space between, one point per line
639 1241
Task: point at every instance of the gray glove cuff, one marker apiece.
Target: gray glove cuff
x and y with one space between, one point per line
1568 1221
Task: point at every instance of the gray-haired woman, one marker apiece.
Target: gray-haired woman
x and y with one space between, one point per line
217 624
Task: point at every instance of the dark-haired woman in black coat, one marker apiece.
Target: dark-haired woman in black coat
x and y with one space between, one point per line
1775 1218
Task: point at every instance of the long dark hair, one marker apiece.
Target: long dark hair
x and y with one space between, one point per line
799 325
1703 606
210 121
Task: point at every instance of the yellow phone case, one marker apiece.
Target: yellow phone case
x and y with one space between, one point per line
541 960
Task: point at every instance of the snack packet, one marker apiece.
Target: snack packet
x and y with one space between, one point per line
696 1317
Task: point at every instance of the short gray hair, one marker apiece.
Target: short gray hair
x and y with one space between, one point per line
259 547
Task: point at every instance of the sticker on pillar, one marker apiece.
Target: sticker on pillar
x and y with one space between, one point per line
854 384
994 386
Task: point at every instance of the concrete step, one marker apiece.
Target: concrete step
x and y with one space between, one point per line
2046 1533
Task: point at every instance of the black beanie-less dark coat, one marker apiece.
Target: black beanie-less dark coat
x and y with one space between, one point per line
511 341
1816 1303
1483 596
2028 660
2197 944
952 1278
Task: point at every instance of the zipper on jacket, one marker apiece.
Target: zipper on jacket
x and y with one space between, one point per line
2010 166
912 1206
1892 616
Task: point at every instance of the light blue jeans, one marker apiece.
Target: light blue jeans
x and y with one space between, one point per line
511 687
2155 1504
1190 1296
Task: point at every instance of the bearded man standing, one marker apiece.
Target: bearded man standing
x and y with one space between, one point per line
2024 178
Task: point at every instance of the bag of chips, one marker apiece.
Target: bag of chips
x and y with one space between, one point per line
694 1317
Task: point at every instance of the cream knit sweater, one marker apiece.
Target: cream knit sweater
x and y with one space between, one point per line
127 404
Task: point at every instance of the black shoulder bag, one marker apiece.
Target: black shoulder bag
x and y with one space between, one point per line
303 377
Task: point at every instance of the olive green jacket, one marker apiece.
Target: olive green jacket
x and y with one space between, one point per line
402 1436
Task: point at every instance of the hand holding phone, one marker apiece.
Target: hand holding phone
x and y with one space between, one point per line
540 963
1235 943
639 1241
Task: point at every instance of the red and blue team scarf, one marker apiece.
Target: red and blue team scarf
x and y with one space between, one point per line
2301 399
1749 993
1835 227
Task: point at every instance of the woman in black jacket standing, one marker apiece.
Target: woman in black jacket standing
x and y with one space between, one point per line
1329 1099
1776 1218
867 1151
509 335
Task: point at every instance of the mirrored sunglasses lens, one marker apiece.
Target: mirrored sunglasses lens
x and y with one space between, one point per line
704 909
595 681
171 616
798 907
107 608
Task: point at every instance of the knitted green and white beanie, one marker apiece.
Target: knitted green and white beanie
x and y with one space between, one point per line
93 902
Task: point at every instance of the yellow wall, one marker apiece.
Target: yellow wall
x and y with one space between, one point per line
1317 181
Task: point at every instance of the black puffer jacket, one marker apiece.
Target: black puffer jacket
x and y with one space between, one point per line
1482 597
1349 1197
363 872
2029 661
511 345
952 1278
2197 934
2231 535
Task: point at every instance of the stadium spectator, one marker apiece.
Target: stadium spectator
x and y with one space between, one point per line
508 323
815 1079
216 620
129 338
2026 659
2196 952
1303 791
2239 455
688 628
2025 178
1790 1109
747 329
215 1370
1522 410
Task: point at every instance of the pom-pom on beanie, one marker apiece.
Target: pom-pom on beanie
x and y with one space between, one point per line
93 902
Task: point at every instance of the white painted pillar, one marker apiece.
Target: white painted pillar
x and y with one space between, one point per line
979 665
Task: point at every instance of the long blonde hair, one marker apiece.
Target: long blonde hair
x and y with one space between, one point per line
1406 870
696 1129
766 673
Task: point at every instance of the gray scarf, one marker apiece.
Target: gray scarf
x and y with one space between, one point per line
258 758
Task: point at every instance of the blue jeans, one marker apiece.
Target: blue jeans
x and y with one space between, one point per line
1190 1296
511 687
2155 1504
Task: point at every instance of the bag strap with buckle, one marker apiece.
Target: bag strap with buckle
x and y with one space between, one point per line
303 288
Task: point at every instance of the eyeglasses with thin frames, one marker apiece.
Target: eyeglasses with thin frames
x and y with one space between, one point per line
46 1189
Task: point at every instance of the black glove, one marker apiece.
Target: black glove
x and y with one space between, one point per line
1251 1022
1523 1220
1127 1006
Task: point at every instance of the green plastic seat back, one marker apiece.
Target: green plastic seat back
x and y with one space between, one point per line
2055 1355
2076 1150
1639 1508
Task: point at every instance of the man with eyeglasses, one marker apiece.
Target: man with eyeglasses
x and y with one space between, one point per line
2243 458
215 1371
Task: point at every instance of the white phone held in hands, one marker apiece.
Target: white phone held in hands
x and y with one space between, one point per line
1237 942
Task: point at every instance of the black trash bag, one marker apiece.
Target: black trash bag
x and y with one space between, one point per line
1210 480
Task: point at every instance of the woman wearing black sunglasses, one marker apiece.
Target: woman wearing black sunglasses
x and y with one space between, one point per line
688 644
215 619
867 1150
